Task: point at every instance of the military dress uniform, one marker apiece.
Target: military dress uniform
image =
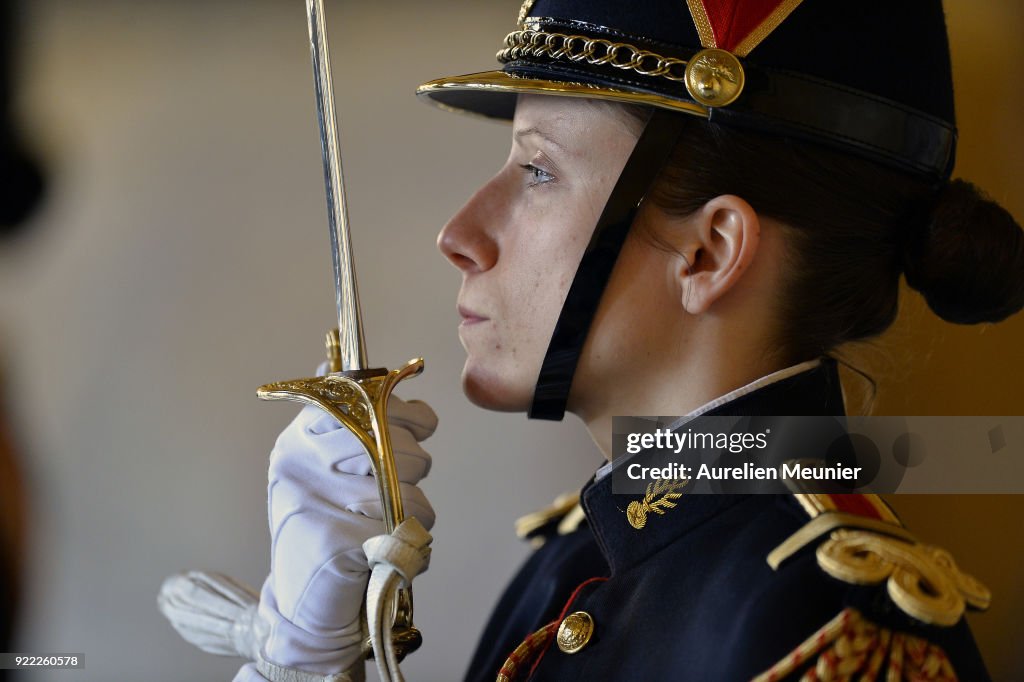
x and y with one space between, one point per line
690 594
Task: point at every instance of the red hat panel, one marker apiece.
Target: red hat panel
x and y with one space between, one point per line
738 25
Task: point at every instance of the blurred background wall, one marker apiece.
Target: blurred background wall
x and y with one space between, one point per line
927 367
181 260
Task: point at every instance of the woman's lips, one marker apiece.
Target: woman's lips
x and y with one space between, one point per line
469 317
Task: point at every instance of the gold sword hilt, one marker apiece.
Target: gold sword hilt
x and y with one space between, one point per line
359 399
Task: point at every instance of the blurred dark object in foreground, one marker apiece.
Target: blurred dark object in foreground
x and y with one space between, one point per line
21 178
21 189
21 184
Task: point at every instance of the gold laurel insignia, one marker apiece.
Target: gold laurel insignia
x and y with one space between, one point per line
659 497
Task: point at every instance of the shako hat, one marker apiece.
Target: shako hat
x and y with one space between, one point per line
869 79
874 79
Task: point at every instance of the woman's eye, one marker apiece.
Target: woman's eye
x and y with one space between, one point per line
536 175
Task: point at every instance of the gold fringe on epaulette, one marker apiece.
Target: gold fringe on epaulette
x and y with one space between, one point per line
850 647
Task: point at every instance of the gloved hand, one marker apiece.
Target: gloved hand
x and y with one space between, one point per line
323 504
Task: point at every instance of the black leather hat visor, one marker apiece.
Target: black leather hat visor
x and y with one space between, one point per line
492 94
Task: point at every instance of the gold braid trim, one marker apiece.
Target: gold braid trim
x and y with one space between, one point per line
850 647
594 51
519 661
923 581
701 22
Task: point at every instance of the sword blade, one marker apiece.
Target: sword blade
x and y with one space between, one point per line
346 289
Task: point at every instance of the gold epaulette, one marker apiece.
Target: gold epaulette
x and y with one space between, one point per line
867 545
850 647
565 511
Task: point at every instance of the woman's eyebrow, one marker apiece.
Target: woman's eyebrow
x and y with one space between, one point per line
526 132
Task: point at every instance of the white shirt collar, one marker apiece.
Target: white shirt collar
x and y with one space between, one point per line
772 378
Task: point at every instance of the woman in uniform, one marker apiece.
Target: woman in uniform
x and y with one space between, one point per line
760 175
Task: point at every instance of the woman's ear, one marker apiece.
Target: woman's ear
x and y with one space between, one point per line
720 244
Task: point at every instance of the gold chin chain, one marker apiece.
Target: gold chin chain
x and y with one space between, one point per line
594 51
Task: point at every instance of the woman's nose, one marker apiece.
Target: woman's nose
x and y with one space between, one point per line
466 241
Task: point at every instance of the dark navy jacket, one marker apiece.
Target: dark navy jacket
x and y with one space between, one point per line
691 597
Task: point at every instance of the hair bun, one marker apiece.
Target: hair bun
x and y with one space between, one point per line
968 261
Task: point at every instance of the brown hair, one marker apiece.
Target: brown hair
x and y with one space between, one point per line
854 226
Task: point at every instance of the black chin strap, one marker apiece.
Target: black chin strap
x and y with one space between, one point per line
649 155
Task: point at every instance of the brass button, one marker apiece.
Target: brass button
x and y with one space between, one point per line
575 631
714 77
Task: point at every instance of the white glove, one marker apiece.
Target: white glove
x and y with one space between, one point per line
323 504
214 612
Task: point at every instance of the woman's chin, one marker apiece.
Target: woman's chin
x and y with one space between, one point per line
492 392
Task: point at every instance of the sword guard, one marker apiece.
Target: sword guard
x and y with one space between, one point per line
358 399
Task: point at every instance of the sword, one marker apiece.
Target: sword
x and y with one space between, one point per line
353 394
346 290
